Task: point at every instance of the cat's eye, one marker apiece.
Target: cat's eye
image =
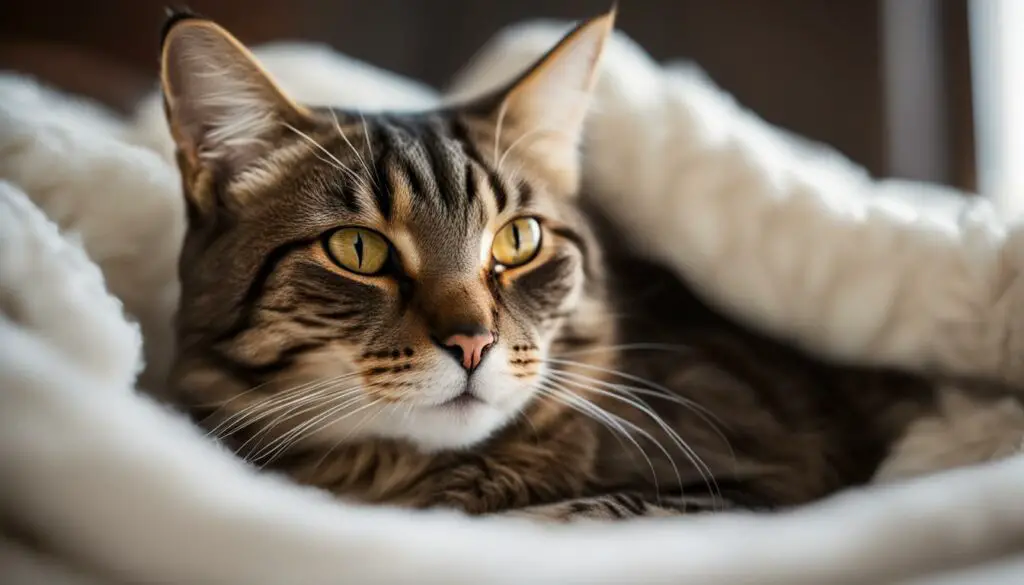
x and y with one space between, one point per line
517 242
360 250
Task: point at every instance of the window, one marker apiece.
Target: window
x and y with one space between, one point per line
997 55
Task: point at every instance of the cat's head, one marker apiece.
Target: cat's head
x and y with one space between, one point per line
404 276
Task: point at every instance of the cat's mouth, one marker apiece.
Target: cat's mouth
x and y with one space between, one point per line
463 401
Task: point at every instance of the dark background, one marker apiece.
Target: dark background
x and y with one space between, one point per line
816 67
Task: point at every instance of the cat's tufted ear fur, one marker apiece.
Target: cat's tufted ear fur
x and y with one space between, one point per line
224 110
540 116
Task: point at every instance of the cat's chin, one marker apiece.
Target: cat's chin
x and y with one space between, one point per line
453 425
458 424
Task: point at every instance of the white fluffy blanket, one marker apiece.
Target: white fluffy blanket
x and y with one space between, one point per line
99 484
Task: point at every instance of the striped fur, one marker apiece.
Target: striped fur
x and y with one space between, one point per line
610 391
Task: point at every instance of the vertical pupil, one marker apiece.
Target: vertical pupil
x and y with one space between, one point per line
359 248
515 236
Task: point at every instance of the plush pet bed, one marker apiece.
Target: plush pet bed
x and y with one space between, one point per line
100 484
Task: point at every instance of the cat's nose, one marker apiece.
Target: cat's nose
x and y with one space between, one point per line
469 347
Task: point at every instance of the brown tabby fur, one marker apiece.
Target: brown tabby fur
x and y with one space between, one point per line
263 310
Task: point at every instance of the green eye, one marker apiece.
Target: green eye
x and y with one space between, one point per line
517 243
360 250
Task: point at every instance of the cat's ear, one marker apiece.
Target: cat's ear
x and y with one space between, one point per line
223 109
541 115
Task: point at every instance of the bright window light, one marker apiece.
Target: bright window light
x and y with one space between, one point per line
997 63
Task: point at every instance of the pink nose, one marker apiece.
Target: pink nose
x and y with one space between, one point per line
472 347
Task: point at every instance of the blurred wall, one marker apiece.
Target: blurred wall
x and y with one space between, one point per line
815 67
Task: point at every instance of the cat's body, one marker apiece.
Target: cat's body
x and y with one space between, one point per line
776 423
767 425
416 310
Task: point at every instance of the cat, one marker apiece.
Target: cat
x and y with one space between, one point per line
419 309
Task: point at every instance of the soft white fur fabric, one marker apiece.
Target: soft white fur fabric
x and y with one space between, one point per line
122 202
102 485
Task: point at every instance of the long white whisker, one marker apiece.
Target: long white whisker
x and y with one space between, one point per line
518 141
256 406
359 425
359 156
525 417
299 410
323 398
502 110
698 463
610 421
664 394
327 419
637 429
285 440
702 468
309 404
240 419
225 403
334 161
369 143
679 348
407 411
234 397
270 407
366 420
696 407
271 404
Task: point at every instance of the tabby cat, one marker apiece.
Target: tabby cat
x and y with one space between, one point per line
420 309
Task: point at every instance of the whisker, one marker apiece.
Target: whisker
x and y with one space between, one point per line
255 406
667 393
229 425
272 403
502 110
281 443
369 146
526 135
701 467
523 416
407 412
359 156
312 403
679 348
664 394
251 416
366 420
334 161
359 425
612 422
327 419
259 447
224 403
273 449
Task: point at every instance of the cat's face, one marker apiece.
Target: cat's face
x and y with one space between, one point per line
382 276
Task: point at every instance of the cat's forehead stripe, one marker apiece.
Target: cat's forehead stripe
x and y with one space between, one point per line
431 161
383 187
459 130
446 167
